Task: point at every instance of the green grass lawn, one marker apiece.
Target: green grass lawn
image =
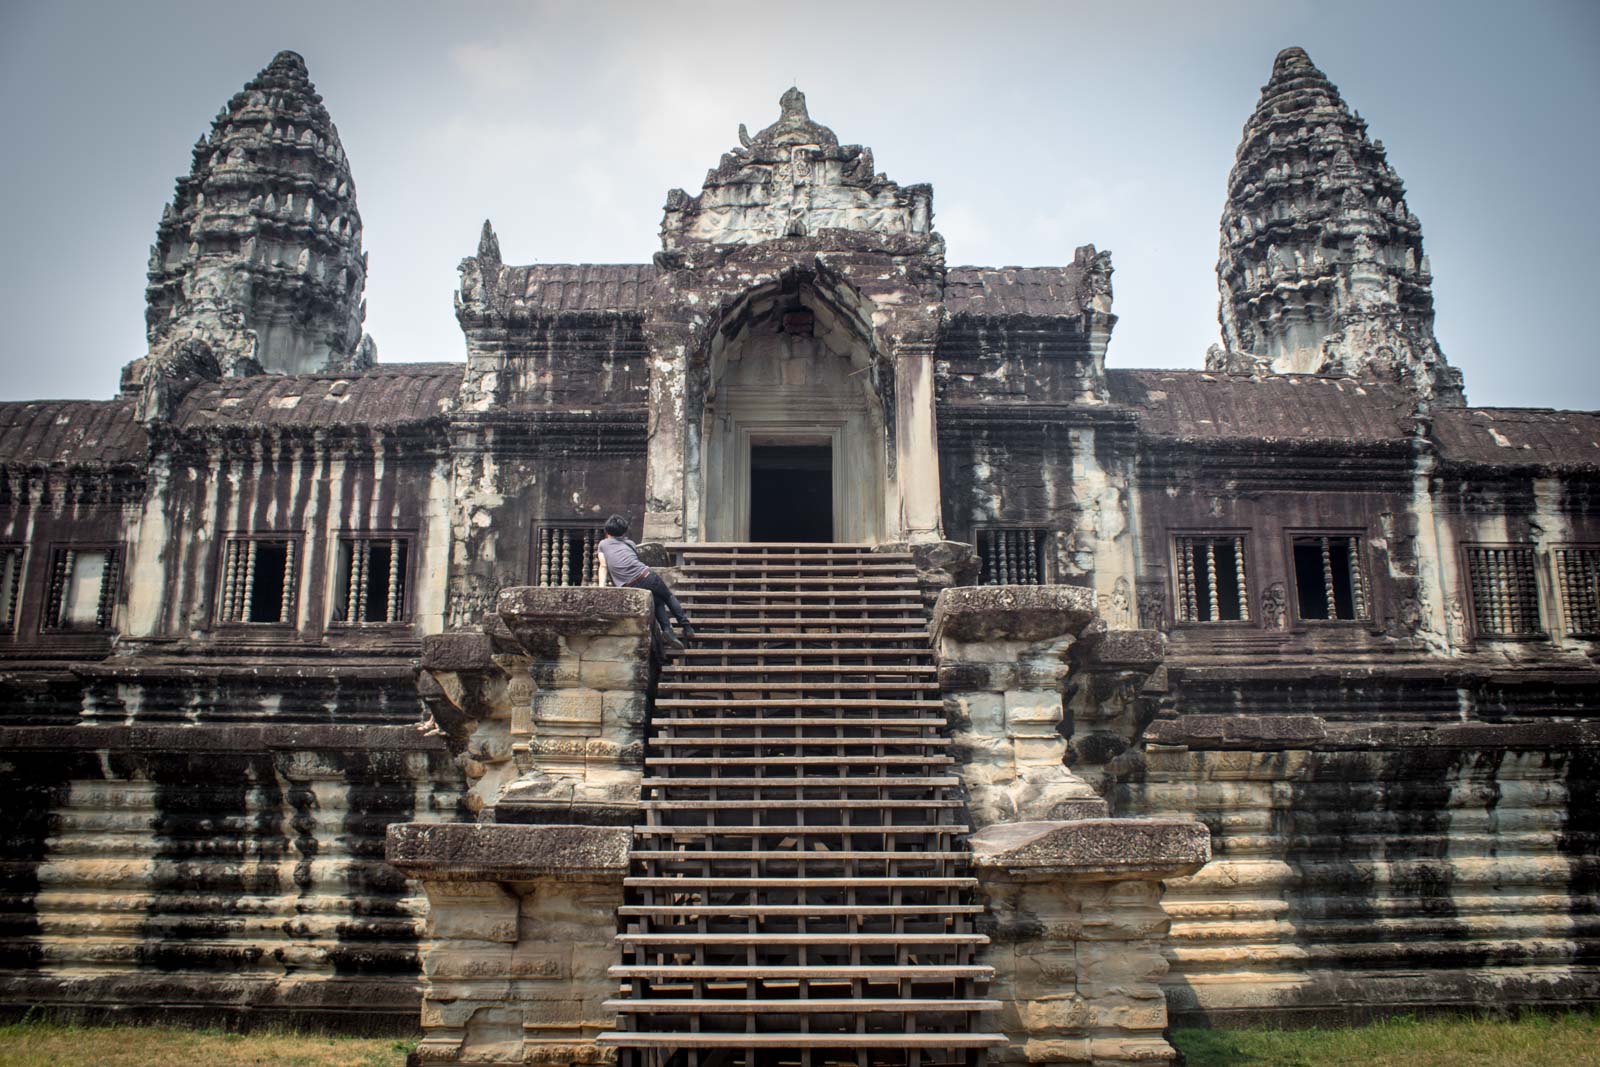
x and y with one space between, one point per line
41 1044
1571 1040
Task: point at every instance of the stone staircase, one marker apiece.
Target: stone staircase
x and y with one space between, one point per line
799 890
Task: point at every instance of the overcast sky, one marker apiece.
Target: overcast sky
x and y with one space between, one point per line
1040 126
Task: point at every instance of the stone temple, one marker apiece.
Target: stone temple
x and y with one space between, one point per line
1036 705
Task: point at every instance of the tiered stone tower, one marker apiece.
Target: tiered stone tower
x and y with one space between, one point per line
257 264
1321 267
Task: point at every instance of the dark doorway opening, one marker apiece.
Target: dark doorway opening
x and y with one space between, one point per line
791 492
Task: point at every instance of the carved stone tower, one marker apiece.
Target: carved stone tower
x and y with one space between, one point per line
1321 268
257 264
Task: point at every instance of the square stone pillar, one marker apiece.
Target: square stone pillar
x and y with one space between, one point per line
578 703
917 444
1076 927
522 922
1073 899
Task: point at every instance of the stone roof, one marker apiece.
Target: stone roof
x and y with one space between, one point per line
556 287
551 288
71 432
1519 437
387 395
1033 291
1201 405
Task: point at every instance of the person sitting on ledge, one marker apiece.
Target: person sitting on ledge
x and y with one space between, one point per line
628 570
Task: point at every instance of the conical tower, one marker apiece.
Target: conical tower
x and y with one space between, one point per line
257 264
1321 268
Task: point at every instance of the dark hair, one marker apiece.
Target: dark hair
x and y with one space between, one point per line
616 526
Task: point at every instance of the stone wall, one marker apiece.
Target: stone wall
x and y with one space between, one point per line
228 874
1368 869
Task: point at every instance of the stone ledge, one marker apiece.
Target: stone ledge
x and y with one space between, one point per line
458 652
1012 612
219 737
1279 732
536 615
1090 850
488 852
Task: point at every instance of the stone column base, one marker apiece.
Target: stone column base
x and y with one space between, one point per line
521 929
1076 925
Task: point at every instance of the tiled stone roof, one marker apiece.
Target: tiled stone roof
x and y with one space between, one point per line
71 432
1299 407
389 394
1519 437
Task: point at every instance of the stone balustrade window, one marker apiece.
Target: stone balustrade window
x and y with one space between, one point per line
1212 580
1505 591
371 585
1012 555
259 579
1578 575
83 587
1330 583
10 586
568 555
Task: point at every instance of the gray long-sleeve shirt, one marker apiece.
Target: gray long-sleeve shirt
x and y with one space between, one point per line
622 560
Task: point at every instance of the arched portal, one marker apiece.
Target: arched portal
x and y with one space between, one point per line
793 434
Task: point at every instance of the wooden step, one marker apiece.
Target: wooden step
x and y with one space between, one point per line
812 742
875 1005
697 938
741 721
733 882
779 911
797 761
856 972
700 1039
798 803
797 782
796 831
895 704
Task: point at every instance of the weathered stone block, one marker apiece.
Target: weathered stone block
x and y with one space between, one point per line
571 706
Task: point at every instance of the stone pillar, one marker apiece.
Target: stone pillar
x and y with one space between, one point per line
1002 655
916 444
1075 918
1073 899
665 494
521 931
578 703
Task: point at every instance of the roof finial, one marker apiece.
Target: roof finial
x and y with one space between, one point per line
488 245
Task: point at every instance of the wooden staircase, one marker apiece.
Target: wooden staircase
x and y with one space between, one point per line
798 892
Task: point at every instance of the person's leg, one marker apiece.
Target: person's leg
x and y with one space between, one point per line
665 602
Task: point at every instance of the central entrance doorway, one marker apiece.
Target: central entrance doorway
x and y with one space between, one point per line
791 492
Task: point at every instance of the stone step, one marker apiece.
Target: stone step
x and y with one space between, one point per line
832 1005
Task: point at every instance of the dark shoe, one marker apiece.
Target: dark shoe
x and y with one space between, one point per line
672 642
688 634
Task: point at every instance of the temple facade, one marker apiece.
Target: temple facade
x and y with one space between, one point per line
1308 598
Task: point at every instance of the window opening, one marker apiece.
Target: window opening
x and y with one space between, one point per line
1578 574
568 555
1505 593
258 580
1212 585
372 580
1012 556
1329 583
83 589
10 587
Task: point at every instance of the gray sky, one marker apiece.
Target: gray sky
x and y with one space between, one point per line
1040 126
